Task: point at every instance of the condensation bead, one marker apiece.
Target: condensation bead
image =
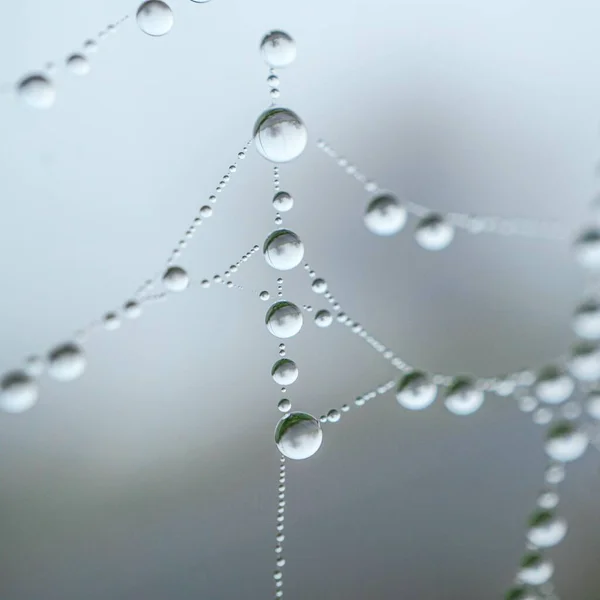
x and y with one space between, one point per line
264 295
434 233
90 46
586 320
132 309
282 202
546 529
284 371
18 392
284 319
66 362
587 249
319 286
206 211
298 436
284 405
548 500
280 135
585 362
176 279
535 569
565 442
592 405
462 397
283 250
278 49
205 283
553 385
416 391
334 415
385 215
37 91
154 18
78 64
323 318
111 321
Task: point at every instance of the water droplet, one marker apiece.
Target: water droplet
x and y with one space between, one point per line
275 93
206 211
585 362
273 81
434 233
205 283
592 406
416 391
462 397
385 215
78 64
542 416
334 415
18 392
283 250
319 286
535 569
34 366
132 309
298 436
527 403
323 318
278 49
284 319
176 279
546 529
264 295
284 371
554 474
37 91
553 385
111 321
278 220
586 320
155 18
66 362
587 249
284 405
565 443
280 135
90 46
547 500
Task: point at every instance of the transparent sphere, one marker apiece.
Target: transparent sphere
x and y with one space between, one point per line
586 320
592 405
548 500
284 372
176 279
132 309
553 385
66 362
37 91
535 569
565 442
416 391
264 295
319 286
78 64
284 405
155 18
283 250
90 46
434 233
111 321
585 362
18 392
280 135
587 249
282 202
546 529
278 49
385 215
554 474
323 318
298 436
462 397
284 319
334 415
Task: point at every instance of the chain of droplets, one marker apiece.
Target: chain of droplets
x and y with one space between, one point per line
280 536
471 223
234 268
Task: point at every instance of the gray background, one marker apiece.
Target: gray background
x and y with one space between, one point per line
154 475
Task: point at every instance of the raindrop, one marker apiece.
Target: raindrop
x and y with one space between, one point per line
298 436
323 318
565 443
462 397
284 405
282 202
78 64
176 279
416 391
280 135
37 91
553 385
284 319
66 362
278 49
18 392
273 81
546 529
385 215
155 18
284 372
283 250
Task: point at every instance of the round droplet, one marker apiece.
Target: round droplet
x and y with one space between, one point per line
37 91
66 362
334 415
565 442
585 362
264 295
78 64
554 474
548 500
553 385
90 46
111 321
323 318
586 320
155 18
462 397
546 529
206 211
385 215
280 135
535 569
176 279
319 286
284 371
298 436
284 319
273 81
283 250
282 202
587 249
592 405
416 391
18 392
434 233
132 309
278 49
284 405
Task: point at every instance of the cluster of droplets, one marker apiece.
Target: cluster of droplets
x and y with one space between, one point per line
280 527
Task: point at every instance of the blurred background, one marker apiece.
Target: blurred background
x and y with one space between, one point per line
154 475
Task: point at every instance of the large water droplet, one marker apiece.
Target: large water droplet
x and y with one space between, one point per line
535 569
385 215
155 18
278 49
78 64
298 436
284 372
416 391
434 233
323 318
462 397
66 362
280 135
282 202
283 250
546 529
553 385
284 319
18 392
565 443
37 91
284 405
176 279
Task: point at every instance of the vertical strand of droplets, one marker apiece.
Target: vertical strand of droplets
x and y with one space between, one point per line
280 536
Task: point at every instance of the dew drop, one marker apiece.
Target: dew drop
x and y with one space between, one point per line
434 233
284 372
90 46
334 415
548 500
18 392
176 279
111 321
284 319
319 286
206 211
554 474
535 569
66 362
278 49
273 81
416 391
155 18
463 398
546 529
280 135
264 295
585 362
553 385
586 320
284 405
37 91
323 318
78 64
132 309
565 442
283 250
385 215
592 405
587 249
298 436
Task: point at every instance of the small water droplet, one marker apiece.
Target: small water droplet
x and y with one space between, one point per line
323 318
66 362
18 392
111 321
206 211
385 215
155 18
434 233
90 46
264 295
278 49
132 309
37 91
78 64
176 279
284 405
